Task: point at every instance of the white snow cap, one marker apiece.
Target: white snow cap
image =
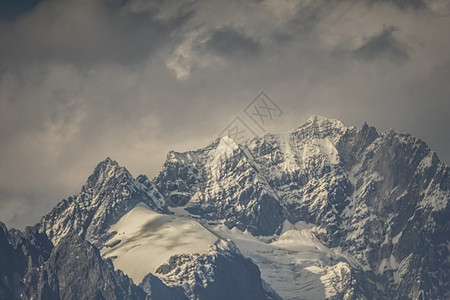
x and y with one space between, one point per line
322 121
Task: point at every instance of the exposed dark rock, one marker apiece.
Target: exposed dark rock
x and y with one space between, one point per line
75 270
221 274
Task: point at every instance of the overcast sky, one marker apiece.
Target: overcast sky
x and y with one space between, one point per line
81 80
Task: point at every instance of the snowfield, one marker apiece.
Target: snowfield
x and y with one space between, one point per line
294 264
146 239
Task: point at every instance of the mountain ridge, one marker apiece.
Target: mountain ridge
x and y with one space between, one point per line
356 213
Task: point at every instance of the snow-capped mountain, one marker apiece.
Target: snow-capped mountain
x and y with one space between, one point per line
109 193
380 200
322 212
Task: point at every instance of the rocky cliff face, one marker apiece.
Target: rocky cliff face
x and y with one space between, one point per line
221 182
75 270
20 254
32 268
222 273
398 225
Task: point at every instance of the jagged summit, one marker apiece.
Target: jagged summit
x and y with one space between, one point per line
105 171
320 127
107 163
315 127
324 121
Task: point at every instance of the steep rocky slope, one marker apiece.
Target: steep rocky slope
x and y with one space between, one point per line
380 199
32 268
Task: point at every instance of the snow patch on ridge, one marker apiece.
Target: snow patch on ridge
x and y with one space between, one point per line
146 239
296 263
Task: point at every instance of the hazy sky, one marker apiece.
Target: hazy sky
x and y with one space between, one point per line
81 80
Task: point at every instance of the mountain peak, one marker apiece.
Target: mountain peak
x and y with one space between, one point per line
108 161
322 121
106 169
226 142
320 127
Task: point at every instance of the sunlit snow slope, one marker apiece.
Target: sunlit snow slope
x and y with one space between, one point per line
146 239
296 265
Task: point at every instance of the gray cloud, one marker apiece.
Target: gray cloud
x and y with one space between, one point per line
10 10
231 42
383 45
83 80
404 4
84 33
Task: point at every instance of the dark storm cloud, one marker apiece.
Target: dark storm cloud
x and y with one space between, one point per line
11 9
307 17
383 45
403 4
85 33
231 42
